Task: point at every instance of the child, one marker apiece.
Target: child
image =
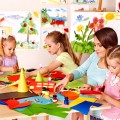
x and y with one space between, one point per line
112 85
58 43
8 59
112 88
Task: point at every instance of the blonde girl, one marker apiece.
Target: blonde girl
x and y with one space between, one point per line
58 44
8 59
112 85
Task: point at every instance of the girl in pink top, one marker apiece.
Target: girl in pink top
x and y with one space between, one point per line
8 59
112 85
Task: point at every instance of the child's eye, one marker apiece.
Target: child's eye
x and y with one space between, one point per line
114 67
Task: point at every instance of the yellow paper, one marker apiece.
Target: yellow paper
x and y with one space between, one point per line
81 99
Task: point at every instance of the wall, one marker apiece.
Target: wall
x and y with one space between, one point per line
32 58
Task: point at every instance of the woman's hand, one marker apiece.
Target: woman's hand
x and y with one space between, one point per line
61 85
86 87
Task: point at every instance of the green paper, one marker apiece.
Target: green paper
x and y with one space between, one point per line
52 109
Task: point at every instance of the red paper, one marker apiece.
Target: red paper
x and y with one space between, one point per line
16 104
89 92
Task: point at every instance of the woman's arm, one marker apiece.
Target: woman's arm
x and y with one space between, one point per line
82 69
61 85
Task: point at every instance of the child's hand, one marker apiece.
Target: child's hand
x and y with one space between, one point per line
86 87
102 96
27 75
14 69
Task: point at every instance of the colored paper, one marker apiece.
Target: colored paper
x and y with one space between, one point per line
16 104
36 100
81 99
86 105
3 103
70 94
89 92
52 109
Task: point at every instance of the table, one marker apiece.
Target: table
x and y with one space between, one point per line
7 114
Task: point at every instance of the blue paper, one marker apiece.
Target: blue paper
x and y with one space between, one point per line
85 106
3 103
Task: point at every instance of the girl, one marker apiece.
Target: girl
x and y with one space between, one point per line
58 43
95 66
8 59
112 85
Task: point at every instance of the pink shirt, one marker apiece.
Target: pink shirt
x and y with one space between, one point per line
112 89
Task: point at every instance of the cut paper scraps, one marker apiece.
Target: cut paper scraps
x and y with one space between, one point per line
36 99
16 104
89 92
51 109
70 94
80 100
86 105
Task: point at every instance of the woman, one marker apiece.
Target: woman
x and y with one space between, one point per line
95 66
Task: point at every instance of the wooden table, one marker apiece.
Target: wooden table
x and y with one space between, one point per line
8 114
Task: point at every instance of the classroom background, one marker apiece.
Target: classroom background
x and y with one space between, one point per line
32 58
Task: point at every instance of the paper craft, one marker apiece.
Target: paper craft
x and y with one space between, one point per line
86 105
16 104
80 100
3 103
52 109
55 75
36 100
89 92
11 95
70 94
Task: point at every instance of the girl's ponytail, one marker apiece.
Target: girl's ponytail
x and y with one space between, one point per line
69 49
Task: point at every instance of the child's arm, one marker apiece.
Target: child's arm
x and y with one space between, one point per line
52 66
8 69
109 99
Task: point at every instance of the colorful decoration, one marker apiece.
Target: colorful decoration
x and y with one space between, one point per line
117 6
22 85
28 27
39 77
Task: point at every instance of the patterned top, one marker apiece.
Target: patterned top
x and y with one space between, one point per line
112 89
8 62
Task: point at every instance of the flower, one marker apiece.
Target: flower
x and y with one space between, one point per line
83 42
97 24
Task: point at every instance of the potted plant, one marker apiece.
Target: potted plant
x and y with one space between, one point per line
83 42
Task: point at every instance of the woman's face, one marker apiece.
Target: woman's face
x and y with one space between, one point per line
100 50
52 47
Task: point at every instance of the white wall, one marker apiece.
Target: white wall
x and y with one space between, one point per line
32 58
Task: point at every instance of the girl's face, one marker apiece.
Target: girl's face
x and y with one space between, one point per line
9 48
114 66
100 50
52 47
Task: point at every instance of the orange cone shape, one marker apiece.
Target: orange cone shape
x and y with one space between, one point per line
39 77
22 85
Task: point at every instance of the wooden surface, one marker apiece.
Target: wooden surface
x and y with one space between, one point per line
8 114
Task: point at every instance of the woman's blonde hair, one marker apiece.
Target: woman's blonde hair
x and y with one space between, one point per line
3 40
58 37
